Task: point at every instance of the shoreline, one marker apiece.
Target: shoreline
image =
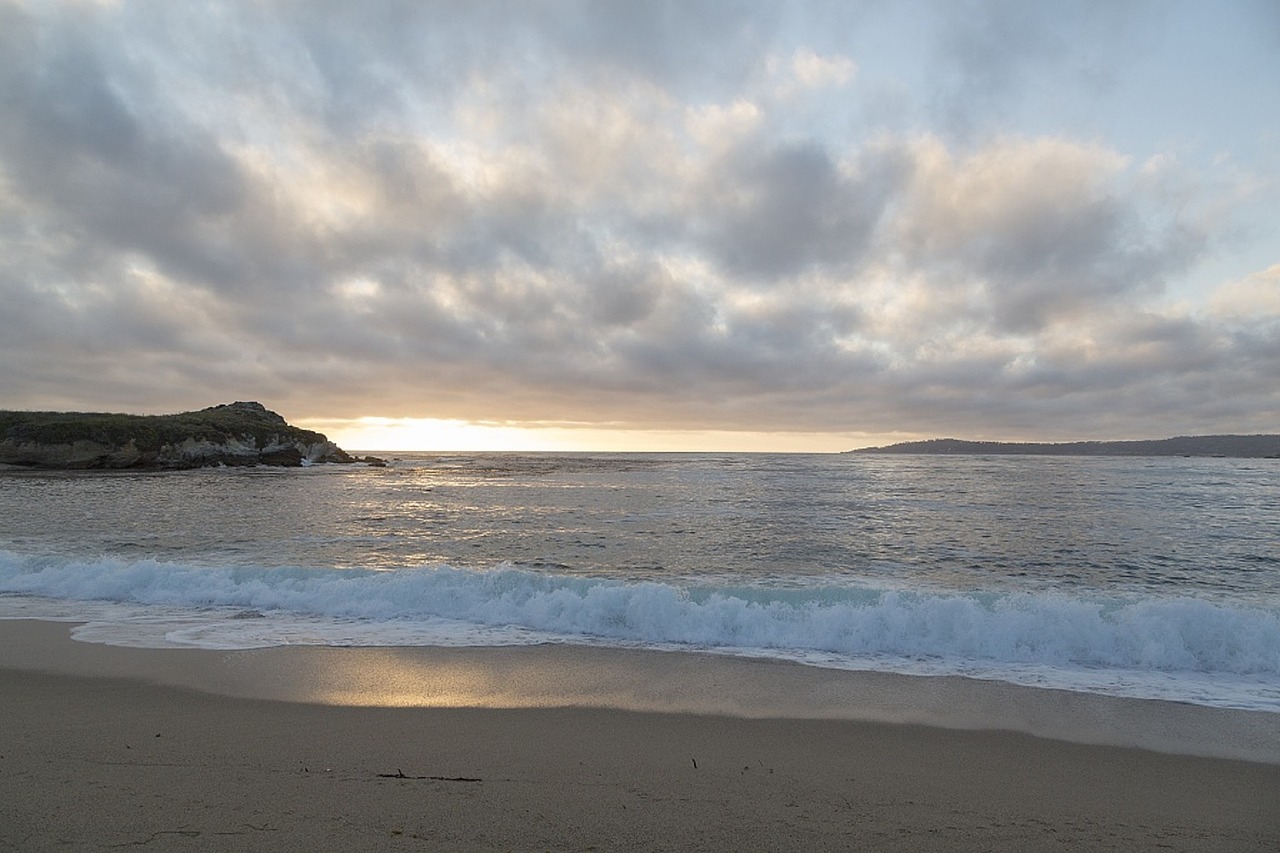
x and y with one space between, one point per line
638 680
110 747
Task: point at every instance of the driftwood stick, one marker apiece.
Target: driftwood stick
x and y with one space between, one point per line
399 774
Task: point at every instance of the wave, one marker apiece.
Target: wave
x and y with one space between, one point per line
1159 635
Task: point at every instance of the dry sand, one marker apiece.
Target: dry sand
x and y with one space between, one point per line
143 754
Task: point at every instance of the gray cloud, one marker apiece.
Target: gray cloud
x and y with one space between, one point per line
571 212
992 55
774 214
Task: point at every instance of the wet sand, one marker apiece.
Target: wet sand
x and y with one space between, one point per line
288 749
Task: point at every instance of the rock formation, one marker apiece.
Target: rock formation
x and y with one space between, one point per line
230 434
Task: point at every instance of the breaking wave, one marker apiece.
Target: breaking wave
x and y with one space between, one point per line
1161 634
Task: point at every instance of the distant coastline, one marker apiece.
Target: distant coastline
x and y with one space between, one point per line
1233 446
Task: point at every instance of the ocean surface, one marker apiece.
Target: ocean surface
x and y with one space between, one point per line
1140 577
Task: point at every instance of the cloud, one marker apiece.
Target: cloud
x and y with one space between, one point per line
990 56
1045 228
1254 297
578 212
806 70
777 212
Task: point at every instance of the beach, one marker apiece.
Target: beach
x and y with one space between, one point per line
183 749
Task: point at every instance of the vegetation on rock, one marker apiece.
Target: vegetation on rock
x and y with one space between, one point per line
234 433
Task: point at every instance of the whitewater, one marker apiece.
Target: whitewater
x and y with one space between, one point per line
1138 577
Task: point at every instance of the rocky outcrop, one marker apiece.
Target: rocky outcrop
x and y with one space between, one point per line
230 434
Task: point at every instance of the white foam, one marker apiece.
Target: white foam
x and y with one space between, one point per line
1181 648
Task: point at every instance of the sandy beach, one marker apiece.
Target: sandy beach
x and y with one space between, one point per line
174 749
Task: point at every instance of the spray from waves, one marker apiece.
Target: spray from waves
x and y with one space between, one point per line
1152 634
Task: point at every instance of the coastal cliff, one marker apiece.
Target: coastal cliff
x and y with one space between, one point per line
229 434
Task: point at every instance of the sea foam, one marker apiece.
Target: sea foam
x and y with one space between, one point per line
1043 638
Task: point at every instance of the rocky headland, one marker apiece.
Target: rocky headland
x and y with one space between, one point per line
229 434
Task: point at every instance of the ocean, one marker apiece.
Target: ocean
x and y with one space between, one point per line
1152 578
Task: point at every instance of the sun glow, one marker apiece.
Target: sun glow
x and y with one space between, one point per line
436 434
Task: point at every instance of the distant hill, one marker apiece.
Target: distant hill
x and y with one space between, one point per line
1237 446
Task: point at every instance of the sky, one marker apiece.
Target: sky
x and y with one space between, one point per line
615 225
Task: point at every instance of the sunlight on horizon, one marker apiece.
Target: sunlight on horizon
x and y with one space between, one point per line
436 434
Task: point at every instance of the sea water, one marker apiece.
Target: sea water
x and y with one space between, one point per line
1141 577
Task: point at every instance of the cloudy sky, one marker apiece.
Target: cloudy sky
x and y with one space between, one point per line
651 225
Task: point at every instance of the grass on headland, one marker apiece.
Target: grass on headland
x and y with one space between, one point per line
152 432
